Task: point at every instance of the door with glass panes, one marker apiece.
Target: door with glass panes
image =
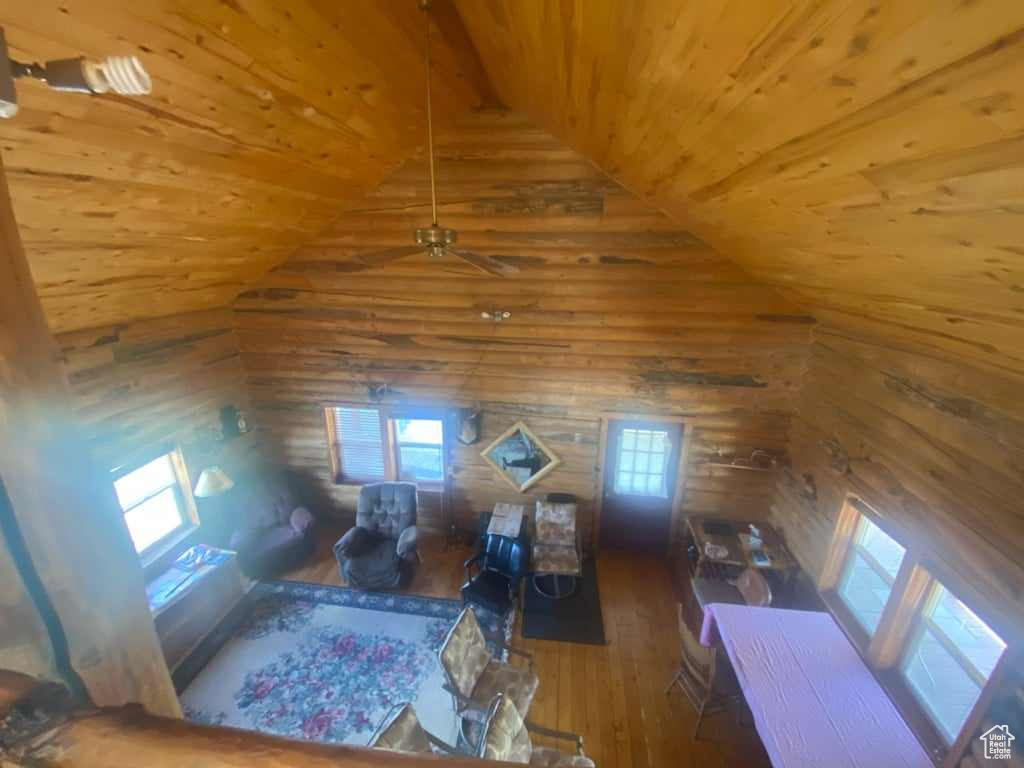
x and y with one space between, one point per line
640 466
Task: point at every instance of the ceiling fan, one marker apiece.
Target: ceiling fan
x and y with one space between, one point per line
436 240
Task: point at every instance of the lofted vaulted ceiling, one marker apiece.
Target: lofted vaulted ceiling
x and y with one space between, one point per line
867 157
266 117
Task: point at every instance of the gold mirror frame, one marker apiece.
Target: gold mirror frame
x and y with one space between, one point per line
519 426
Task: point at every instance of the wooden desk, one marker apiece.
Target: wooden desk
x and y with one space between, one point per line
702 529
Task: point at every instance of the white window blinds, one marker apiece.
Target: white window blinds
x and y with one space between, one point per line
360 444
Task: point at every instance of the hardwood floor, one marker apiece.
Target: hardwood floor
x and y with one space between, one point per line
613 695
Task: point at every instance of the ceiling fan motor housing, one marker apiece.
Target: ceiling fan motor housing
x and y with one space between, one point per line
435 236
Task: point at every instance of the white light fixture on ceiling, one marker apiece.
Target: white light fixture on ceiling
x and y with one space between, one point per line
123 75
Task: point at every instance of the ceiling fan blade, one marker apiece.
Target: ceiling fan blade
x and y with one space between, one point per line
375 258
484 263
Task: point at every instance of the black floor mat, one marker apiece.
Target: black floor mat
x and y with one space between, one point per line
575 619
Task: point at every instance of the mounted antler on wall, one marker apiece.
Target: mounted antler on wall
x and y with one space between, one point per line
759 460
469 426
839 460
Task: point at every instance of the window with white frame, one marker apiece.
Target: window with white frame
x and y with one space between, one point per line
374 443
358 440
868 575
419 450
153 500
641 466
932 652
948 659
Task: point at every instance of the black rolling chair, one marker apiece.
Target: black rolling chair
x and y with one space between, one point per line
499 568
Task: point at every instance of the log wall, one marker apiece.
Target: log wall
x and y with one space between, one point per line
147 383
61 734
615 309
928 438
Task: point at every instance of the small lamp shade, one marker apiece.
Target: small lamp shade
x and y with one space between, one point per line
213 481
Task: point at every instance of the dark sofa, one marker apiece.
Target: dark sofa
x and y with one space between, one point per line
272 530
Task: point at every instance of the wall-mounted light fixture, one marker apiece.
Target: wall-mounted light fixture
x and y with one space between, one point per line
121 74
495 315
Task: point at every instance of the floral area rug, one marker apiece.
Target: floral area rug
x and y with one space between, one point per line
324 663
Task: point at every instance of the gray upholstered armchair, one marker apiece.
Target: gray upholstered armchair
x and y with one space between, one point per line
378 553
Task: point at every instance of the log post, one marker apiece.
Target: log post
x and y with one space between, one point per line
64 504
38 728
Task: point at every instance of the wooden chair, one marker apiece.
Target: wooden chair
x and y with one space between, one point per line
755 588
710 687
721 689
694 661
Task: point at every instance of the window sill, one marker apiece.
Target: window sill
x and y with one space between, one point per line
889 679
346 483
844 617
427 487
422 487
160 555
914 715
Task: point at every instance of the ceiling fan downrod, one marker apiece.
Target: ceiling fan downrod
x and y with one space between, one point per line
425 7
433 238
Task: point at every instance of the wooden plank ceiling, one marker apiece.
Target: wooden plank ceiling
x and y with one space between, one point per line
266 116
866 156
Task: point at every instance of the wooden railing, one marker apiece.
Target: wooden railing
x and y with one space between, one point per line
40 727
